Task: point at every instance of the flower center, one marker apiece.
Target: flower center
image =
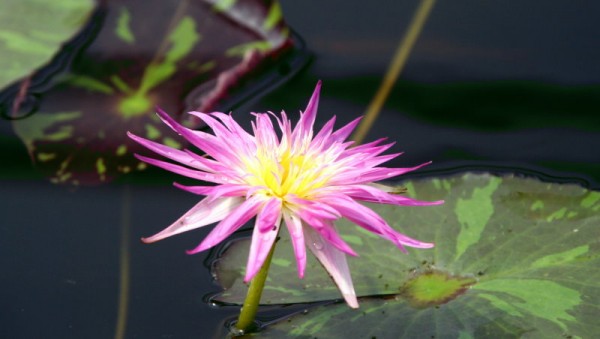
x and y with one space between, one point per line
287 173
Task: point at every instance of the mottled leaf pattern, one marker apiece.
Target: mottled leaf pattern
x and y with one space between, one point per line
32 31
179 55
532 248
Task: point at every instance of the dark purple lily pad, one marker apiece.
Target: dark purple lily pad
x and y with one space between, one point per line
179 55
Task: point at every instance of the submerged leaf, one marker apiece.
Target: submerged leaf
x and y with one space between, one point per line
514 257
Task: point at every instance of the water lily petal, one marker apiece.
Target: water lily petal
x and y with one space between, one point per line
371 221
361 176
235 137
208 143
330 234
169 152
343 133
303 132
238 217
264 235
294 226
369 193
190 173
206 212
320 140
215 192
334 262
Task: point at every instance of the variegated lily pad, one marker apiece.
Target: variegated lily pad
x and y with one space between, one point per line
32 32
179 55
514 257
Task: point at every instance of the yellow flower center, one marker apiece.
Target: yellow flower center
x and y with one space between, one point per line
283 173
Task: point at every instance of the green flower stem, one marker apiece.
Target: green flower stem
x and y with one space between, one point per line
250 307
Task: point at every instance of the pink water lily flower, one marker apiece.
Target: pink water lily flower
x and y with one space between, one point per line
307 181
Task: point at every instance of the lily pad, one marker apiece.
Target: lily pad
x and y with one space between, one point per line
179 55
33 31
514 257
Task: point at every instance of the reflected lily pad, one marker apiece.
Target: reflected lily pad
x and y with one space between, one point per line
179 55
514 257
32 32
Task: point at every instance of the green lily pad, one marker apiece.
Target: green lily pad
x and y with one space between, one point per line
514 257
32 31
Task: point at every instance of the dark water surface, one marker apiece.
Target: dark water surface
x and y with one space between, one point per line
491 86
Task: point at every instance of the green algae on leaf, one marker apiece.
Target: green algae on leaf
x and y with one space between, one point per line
532 273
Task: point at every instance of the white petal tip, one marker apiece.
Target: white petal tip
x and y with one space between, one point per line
351 300
148 240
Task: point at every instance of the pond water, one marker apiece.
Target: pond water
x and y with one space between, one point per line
488 88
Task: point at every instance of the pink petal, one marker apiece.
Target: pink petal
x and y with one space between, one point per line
314 217
204 213
329 233
217 127
372 147
238 217
294 226
304 129
334 263
234 127
313 207
265 232
235 138
360 176
204 141
377 160
286 130
266 139
190 173
371 221
169 152
343 133
324 134
212 165
372 194
224 190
